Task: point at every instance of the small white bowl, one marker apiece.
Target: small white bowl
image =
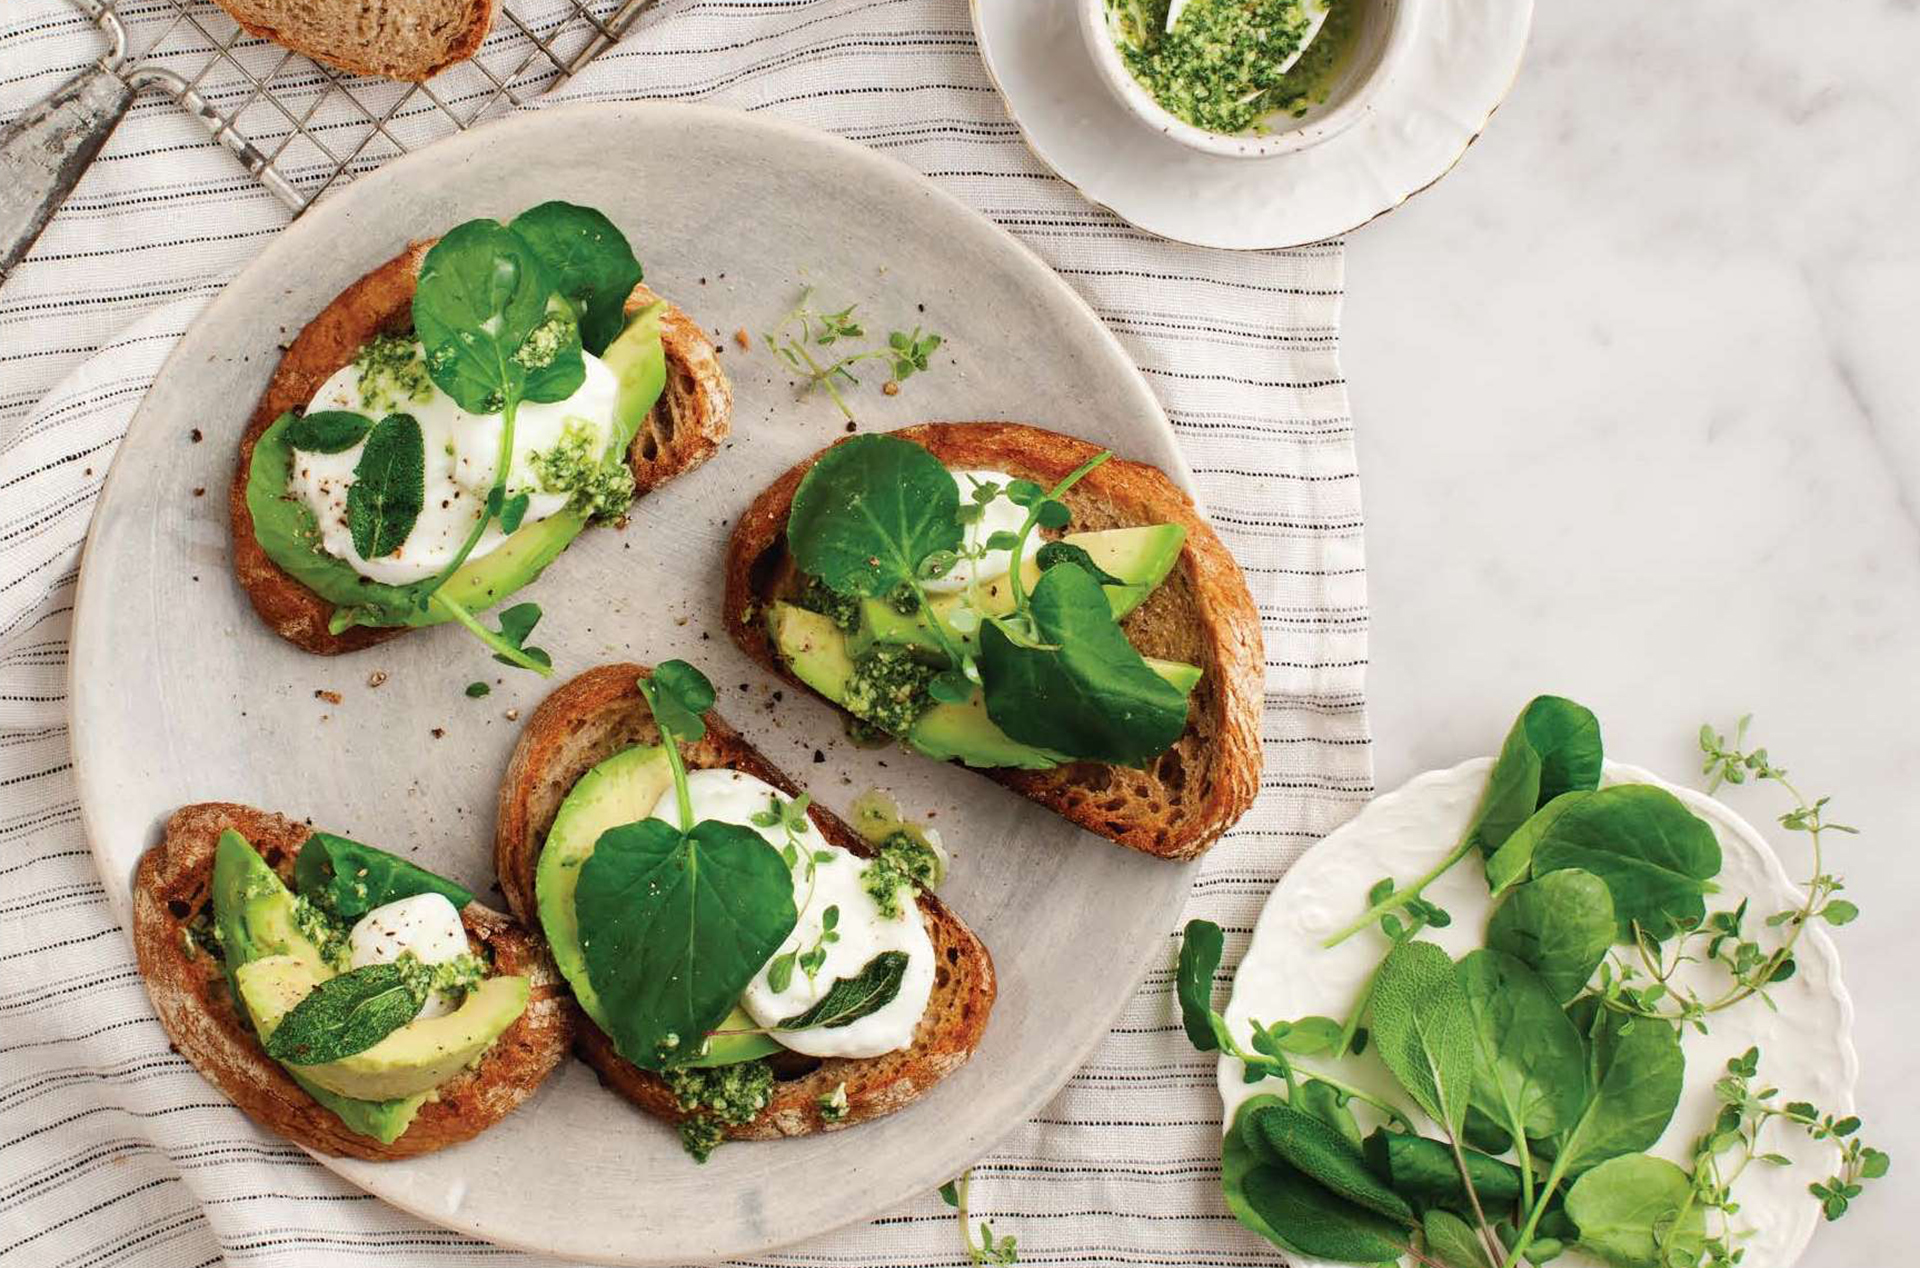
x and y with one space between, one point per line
1385 33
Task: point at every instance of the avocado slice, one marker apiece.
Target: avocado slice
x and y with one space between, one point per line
622 789
286 530
818 653
412 1060
253 911
1141 557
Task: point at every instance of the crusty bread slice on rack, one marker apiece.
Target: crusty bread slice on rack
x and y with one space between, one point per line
683 430
1201 614
171 889
397 39
601 712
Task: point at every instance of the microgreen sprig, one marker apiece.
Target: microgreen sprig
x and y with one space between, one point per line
989 1249
1641 982
796 336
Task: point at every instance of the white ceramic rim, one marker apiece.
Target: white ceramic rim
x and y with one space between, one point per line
1133 95
311 232
1814 939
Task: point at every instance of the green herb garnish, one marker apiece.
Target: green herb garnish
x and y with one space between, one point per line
796 337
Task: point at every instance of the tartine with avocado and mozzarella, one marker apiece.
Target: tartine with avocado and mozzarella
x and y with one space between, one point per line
340 995
448 424
1023 603
749 965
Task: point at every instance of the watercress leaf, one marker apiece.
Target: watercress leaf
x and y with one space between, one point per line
590 263
1654 854
1324 1102
1552 748
1024 492
482 291
348 1014
672 699
1053 514
851 998
869 511
1635 1070
951 687
351 879
516 623
551 357
1634 1212
1067 553
691 689
328 431
1424 1170
1529 1072
514 511
1200 949
389 487
1451 1241
780 971
1324 1154
674 925
1423 1031
1560 926
1093 697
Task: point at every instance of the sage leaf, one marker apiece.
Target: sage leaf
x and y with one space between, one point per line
351 879
1560 926
1323 1154
1529 1072
481 293
869 511
673 926
1200 948
851 998
1635 1070
1093 696
1451 1240
1654 854
1635 1212
589 262
328 431
1423 1031
1311 1220
348 1014
1324 1103
1426 1172
389 487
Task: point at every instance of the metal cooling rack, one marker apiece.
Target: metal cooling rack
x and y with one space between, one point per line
301 127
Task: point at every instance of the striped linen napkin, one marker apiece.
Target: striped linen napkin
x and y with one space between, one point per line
114 1151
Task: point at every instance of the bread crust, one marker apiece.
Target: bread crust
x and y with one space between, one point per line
601 712
190 993
682 431
1201 614
472 33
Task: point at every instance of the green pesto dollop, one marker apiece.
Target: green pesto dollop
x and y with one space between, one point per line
904 863
323 929
392 373
716 1097
599 487
842 609
888 688
1220 66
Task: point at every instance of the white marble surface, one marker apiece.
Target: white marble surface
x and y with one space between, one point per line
1638 397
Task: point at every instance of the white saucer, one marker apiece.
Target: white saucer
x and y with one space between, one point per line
1463 60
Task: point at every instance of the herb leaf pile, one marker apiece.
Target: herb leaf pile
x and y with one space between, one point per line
877 517
1545 1063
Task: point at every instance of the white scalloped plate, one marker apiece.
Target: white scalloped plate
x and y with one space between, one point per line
1806 1047
1462 61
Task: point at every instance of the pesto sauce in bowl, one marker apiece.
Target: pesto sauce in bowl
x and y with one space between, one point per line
1220 67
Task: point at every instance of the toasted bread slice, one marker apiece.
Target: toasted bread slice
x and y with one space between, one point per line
190 993
398 39
1201 614
684 429
595 716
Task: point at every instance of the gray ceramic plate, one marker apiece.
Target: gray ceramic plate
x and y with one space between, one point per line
179 694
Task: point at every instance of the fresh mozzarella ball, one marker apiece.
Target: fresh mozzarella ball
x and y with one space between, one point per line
425 924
